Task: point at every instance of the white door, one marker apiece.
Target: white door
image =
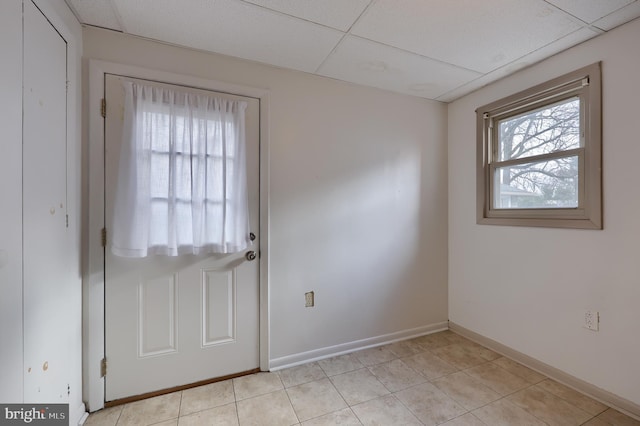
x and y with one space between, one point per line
172 321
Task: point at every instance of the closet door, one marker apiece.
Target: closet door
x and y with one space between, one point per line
11 211
48 267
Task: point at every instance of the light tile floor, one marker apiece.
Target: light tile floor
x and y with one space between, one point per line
440 378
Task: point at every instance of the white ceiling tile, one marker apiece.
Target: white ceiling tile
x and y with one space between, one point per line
619 17
233 28
365 62
478 35
339 14
96 12
454 42
590 10
551 49
564 43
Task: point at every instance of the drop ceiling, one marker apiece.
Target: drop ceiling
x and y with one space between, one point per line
435 49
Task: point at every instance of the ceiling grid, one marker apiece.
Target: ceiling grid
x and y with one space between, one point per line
433 49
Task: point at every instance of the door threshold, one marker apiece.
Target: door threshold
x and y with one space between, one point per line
148 395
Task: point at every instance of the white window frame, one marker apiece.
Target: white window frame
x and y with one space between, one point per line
585 84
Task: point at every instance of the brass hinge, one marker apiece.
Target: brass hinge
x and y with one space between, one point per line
103 107
104 237
103 367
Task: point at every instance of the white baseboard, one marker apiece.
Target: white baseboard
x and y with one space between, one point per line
344 348
80 414
621 404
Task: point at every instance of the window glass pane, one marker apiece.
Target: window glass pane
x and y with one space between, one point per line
159 175
212 230
546 184
155 127
552 128
184 216
182 181
215 187
159 222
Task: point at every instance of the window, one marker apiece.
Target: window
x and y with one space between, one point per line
539 155
188 178
182 186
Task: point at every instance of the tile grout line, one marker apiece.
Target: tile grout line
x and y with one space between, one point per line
341 396
180 406
473 409
286 392
235 400
119 415
554 395
406 407
424 349
569 402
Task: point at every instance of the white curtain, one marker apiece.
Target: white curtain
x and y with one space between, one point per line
182 186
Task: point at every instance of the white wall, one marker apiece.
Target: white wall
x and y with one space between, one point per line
528 288
358 199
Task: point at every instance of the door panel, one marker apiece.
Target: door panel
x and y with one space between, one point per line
218 307
11 353
172 321
158 323
49 275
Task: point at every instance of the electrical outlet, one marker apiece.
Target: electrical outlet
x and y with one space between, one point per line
592 320
308 300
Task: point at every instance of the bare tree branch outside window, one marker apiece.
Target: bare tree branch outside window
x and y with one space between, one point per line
539 183
539 154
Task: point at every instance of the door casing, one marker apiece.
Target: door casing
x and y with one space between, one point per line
93 276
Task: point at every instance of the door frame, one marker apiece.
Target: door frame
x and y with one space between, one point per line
93 277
